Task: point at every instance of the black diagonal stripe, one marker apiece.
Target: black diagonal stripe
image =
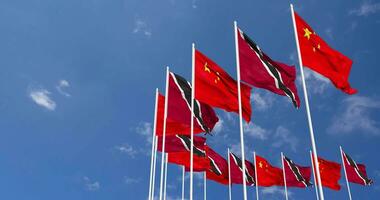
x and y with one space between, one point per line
185 88
186 141
214 167
239 163
353 164
272 68
297 173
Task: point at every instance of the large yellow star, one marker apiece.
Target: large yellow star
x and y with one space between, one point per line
307 33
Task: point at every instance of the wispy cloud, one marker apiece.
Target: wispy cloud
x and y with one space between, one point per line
316 83
366 8
262 100
130 180
329 33
218 127
272 191
356 116
256 131
91 185
62 85
145 129
42 98
283 137
194 4
127 149
142 27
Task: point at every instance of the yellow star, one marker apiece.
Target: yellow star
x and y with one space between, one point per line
319 47
260 164
206 68
307 33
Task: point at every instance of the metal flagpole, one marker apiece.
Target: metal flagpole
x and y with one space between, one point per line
240 112
153 143
314 147
229 175
164 132
256 178
183 182
315 180
283 171
154 166
205 186
345 173
166 174
192 120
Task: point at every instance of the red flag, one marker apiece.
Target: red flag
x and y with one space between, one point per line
356 173
296 175
217 88
267 175
218 170
320 57
180 143
236 168
200 162
259 70
179 110
330 173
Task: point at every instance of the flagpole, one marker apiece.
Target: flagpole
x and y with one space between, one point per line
154 166
229 175
192 119
345 173
166 174
256 178
205 186
164 132
183 182
153 143
283 172
315 180
240 111
314 147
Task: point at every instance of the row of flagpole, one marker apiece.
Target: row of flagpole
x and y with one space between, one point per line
313 153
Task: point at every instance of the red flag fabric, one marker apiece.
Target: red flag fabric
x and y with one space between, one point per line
179 110
180 143
217 88
259 70
356 173
200 162
236 168
330 173
320 57
267 175
218 170
296 175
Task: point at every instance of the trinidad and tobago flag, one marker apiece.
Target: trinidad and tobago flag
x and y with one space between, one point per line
179 110
356 173
296 175
180 143
218 170
236 168
259 70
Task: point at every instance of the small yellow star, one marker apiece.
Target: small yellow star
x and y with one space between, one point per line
206 68
319 47
307 33
260 164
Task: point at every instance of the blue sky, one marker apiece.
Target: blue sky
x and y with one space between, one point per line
78 78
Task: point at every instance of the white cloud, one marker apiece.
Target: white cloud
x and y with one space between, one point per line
145 129
62 84
366 8
218 127
271 191
141 27
329 33
129 180
256 131
41 97
262 100
194 4
91 185
315 82
356 116
127 149
284 137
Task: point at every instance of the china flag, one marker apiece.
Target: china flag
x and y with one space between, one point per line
330 173
267 175
217 88
319 56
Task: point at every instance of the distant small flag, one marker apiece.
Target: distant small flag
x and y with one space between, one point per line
296 175
180 143
218 170
217 88
330 173
259 70
236 168
356 173
320 57
200 161
268 175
